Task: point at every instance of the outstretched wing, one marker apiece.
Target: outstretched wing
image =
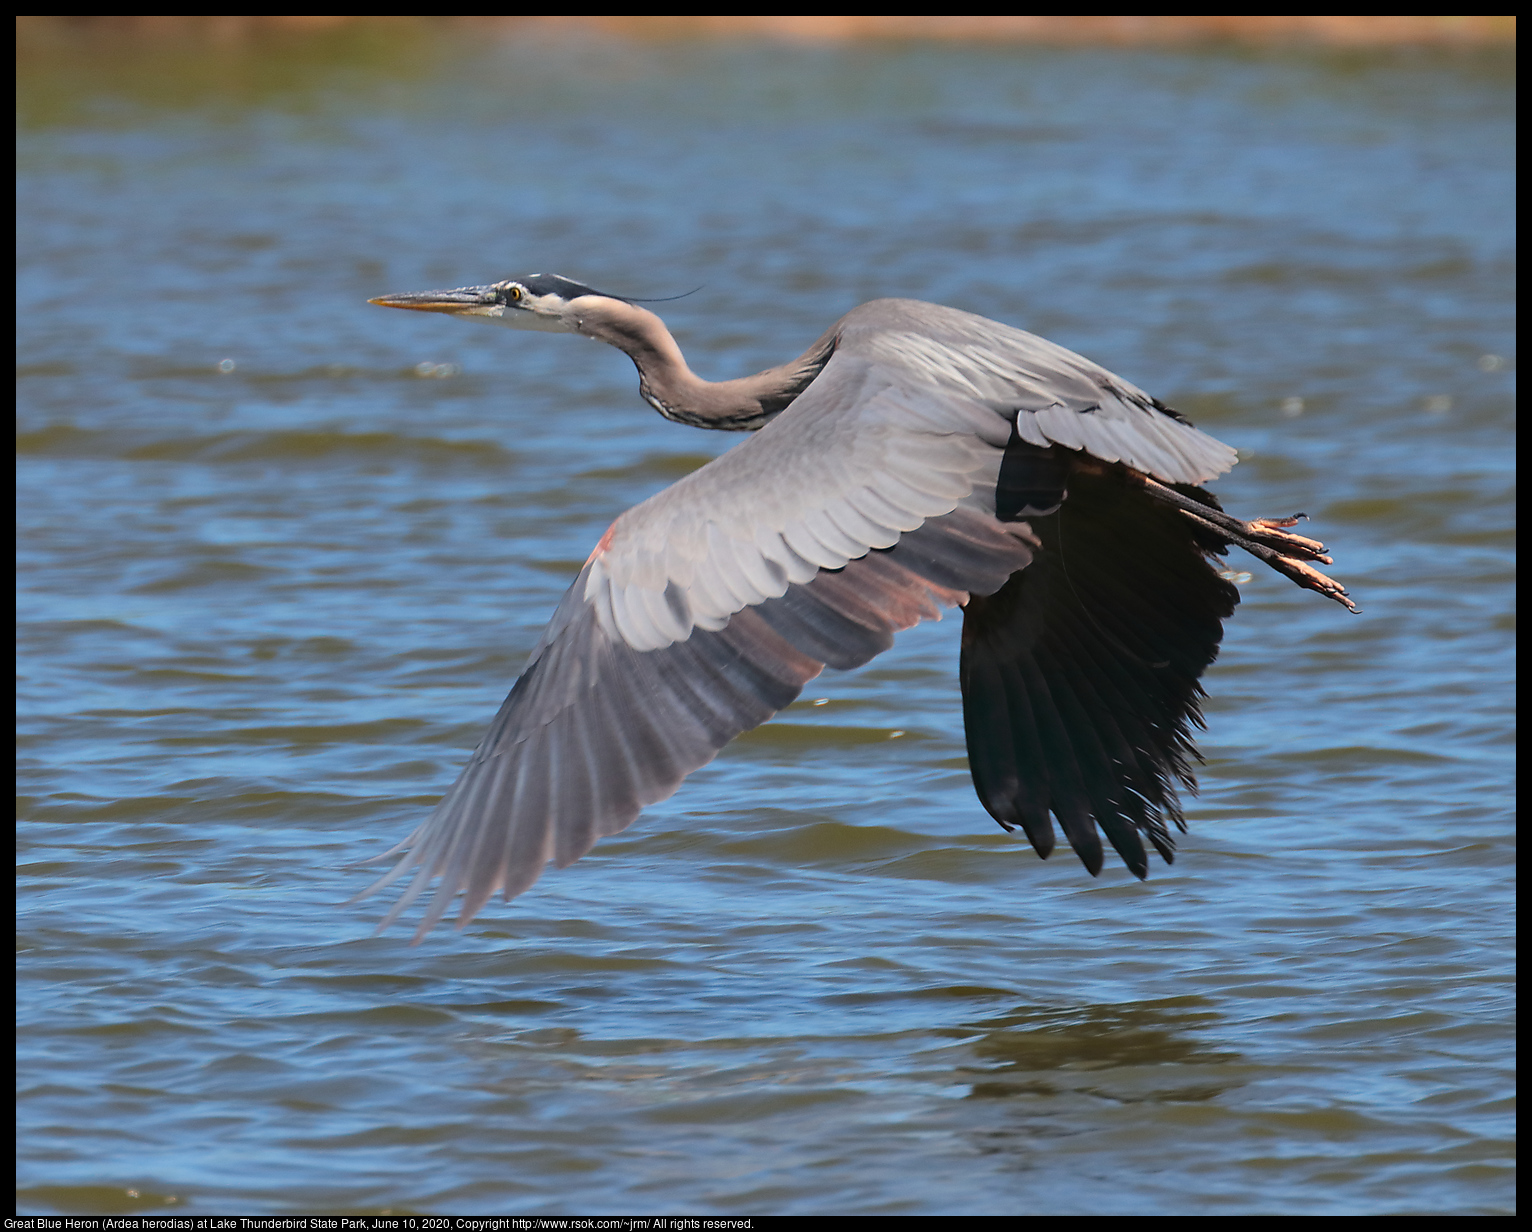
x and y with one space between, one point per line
596 728
877 497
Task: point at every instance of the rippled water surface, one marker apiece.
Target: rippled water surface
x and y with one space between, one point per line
282 553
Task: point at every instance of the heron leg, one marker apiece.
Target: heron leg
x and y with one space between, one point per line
1267 539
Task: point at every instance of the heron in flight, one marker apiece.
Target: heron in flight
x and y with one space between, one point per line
914 457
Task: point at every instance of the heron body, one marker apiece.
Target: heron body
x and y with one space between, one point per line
913 458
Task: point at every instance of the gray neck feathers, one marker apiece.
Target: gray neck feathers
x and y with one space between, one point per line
676 392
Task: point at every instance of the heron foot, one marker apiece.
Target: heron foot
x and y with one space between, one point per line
1267 539
1270 532
1258 537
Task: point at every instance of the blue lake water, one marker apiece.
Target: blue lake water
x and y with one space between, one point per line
281 555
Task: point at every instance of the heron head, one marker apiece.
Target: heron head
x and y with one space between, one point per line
536 301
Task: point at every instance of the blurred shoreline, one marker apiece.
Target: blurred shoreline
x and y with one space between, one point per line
1352 31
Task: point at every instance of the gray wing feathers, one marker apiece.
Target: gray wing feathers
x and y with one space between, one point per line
850 466
1056 396
595 730
591 733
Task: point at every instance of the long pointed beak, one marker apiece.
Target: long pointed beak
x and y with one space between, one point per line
476 301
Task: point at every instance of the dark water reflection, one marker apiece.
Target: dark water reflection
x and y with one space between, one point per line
281 554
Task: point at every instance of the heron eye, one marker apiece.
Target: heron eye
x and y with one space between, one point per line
513 294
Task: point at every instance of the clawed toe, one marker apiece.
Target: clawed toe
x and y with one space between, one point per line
1311 578
1270 532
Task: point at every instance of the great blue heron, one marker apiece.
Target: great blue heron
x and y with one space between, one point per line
914 457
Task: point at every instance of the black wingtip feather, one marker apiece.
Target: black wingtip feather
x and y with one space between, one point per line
1080 675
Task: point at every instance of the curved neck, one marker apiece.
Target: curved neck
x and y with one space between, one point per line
675 391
